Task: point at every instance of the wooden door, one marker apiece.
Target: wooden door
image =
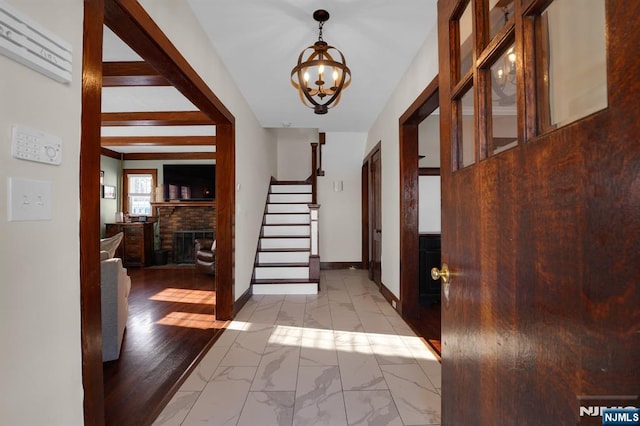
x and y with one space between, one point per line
541 232
376 218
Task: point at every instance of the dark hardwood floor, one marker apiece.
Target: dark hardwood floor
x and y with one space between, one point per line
428 326
171 321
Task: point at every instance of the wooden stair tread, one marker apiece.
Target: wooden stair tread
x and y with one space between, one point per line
283 265
285 236
283 281
286 224
288 202
284 250
300 213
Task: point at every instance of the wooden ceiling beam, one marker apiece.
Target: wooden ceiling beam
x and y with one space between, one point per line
129 21
110 153
157 140
156 118
169 156
125 74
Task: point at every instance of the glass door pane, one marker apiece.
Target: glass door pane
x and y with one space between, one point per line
572 61
500 12
504 121
465 28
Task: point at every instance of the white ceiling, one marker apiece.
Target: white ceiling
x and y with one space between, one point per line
259 42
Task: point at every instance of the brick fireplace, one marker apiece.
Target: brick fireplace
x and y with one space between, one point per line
182 217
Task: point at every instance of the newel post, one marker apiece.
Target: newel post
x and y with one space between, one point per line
314 255
314 172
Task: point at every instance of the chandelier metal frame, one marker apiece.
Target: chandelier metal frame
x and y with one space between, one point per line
323 61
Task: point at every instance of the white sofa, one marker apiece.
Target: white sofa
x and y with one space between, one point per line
115 285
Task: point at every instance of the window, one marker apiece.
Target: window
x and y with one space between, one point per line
139 186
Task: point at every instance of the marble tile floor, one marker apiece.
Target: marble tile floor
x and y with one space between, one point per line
342 357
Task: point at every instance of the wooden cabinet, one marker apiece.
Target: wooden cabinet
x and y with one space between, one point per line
429 254
136 248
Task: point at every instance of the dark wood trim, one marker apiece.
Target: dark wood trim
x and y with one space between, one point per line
340 265
366 211
90 307
322 139
133 25
156 118
122 74
364 185
421 108
314 267
110 153
391 298
225 211
314 173
157 140
170 156
129 20
429 171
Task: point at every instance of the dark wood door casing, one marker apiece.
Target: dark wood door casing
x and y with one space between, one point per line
542 241
420 109
376 217
133 25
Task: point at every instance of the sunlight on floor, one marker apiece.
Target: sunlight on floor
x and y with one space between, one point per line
387 345
190 320
181 295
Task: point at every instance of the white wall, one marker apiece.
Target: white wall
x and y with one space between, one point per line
40 360
294 153
429 205
341 212
420 73
256 158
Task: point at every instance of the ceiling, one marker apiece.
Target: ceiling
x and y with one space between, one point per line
259 42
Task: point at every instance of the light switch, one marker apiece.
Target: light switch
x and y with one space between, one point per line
29 199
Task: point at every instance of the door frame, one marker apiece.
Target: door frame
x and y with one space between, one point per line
367 234
135 27
421 108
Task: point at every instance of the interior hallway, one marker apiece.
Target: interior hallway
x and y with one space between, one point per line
341 357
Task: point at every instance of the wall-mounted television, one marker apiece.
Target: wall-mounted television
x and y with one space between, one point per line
189 182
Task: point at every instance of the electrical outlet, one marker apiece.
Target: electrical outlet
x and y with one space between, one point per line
28 199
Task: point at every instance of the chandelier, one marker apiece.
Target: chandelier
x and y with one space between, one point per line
315 64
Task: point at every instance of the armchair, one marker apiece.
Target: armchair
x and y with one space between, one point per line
205 250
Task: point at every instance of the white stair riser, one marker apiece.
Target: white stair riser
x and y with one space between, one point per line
290 198
270 219
301 288
302 230
287 208
283 257
290 188
277 243
284 272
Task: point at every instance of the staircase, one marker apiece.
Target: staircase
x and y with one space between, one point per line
282 261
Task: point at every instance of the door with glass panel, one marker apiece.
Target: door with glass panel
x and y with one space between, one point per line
540 209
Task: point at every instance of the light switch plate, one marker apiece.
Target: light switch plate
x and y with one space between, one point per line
29 199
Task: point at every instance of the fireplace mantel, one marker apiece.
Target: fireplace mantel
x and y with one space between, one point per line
183 204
